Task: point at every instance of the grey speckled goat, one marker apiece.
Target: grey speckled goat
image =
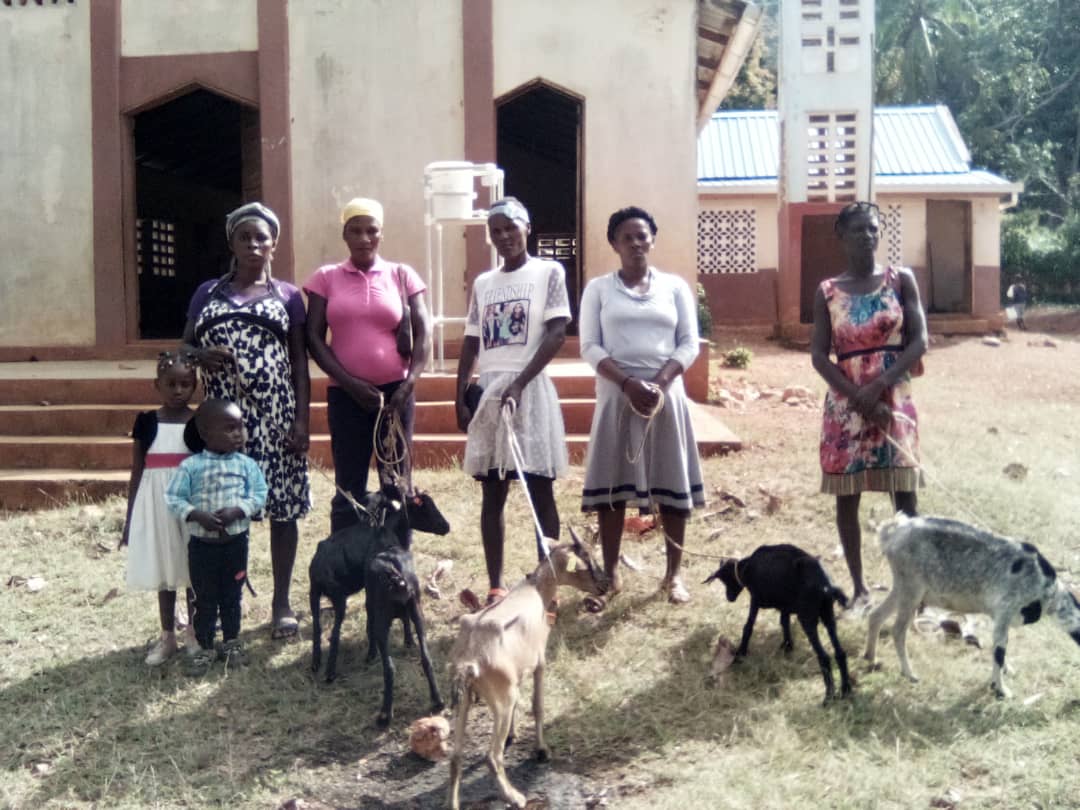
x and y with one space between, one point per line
950 564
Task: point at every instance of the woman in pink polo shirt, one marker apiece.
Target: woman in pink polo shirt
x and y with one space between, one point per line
360 301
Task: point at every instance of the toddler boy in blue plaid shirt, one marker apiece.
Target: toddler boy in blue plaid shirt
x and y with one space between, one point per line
218 490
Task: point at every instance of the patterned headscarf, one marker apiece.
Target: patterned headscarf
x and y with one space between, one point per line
511 209
248 212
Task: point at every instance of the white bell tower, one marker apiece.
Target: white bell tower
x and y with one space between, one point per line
826 110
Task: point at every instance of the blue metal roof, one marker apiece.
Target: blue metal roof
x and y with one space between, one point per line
745 145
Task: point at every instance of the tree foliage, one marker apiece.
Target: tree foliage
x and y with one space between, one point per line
1009 70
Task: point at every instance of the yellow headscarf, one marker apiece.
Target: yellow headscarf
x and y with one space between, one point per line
362 207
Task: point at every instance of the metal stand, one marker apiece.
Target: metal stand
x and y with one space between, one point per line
491 178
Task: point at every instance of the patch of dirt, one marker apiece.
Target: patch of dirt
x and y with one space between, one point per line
1054 320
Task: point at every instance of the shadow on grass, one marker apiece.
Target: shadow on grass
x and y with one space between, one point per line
108 728
685 705
112 730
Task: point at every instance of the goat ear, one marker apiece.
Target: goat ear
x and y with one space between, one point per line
575 539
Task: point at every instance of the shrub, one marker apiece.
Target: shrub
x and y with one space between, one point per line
1047 258
739 357
704 314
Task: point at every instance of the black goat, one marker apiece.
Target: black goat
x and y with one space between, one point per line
340 564
787 578
393 592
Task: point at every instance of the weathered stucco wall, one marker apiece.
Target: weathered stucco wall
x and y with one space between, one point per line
193 26
46 265
376 94
633 62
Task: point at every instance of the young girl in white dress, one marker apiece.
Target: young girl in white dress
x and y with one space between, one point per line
156 540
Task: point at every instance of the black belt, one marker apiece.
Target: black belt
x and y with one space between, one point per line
873 350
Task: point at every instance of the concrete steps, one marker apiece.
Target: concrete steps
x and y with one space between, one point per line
64 426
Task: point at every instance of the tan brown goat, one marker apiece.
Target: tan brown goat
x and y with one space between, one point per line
497 647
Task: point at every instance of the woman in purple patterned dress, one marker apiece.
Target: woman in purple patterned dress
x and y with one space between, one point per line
871 320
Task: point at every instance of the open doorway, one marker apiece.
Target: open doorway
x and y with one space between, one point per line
822 257
948 255
196 158
539 148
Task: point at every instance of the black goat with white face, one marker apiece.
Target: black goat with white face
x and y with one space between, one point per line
788 579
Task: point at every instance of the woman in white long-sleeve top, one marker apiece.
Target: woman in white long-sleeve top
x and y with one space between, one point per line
638 329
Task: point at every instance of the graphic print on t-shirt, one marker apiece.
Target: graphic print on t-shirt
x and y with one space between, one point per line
505 323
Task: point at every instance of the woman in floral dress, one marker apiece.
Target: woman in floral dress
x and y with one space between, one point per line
246 330
869 334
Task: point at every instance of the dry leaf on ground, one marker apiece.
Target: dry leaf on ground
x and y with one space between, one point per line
1015 470
725 495
639 524
723 658
32 583
948 800
431 587
469 599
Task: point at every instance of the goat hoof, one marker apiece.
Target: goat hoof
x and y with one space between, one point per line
543 754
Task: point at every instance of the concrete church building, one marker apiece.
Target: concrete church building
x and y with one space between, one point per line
130 128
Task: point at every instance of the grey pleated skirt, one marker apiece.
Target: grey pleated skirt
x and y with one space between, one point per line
667 470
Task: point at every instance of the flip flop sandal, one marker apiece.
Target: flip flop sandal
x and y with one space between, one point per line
284 628
495 595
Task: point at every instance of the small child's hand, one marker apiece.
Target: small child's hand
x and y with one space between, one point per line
229 514
210 522
213 358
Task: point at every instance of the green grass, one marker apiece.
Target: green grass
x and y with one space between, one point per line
630 705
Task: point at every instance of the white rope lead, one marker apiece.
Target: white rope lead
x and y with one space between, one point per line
519 466
649 416
900 416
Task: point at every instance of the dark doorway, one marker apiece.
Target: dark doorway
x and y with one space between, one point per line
539 148
948 255
822 257
196 158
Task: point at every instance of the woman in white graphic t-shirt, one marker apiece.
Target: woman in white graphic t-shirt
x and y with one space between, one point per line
517 322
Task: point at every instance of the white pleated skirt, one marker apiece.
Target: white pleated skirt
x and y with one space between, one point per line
538 427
